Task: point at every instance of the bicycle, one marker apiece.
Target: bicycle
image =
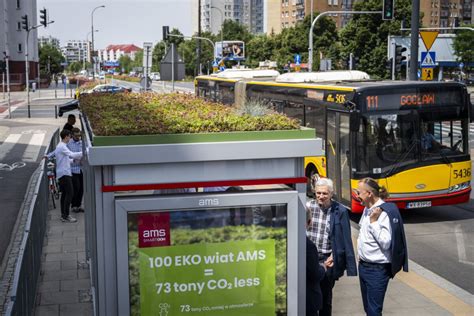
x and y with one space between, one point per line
52 182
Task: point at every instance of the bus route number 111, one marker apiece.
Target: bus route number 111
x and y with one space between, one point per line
372 101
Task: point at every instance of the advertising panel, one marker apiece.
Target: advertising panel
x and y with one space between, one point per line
214 261
230 50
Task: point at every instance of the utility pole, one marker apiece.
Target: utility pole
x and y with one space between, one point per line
39 79
198 59
415 20
3 83
7 65
28 29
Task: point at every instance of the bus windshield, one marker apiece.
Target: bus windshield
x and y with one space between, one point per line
391 140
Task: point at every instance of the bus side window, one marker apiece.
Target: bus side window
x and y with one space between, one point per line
295 110
450 134
315 118
278 105
202 92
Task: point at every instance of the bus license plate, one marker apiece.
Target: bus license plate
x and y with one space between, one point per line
419 204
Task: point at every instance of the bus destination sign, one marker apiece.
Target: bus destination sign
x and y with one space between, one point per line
411 99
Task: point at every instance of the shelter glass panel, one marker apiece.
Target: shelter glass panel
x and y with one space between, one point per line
209 261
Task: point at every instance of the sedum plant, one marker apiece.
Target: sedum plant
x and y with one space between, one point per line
173 113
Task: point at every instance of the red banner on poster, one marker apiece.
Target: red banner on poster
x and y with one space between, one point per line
154 230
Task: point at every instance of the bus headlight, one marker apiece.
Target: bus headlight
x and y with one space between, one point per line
459 187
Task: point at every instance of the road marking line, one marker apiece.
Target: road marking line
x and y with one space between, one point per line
429 289
6 113
461 246
8 144
32 151
436 294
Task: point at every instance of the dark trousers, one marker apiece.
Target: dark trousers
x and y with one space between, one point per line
327 284
373 285
78 184
67 191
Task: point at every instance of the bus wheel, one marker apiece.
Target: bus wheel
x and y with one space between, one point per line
310 172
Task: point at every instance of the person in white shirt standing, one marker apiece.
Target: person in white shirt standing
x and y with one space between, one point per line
374 246
75 145
64 158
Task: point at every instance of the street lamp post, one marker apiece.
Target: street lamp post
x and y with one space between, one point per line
87 41
92 26
313 23
222 29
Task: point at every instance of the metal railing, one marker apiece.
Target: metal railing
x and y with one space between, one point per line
25 278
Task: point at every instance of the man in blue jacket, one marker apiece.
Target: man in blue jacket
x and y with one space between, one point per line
330 230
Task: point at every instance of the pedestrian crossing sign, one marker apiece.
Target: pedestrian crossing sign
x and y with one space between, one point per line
428 59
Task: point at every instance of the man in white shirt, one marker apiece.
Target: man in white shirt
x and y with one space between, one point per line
64 158
374 246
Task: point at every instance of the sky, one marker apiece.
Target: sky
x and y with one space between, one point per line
120 22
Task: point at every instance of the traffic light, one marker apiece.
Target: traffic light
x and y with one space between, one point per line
388 65
399 58
387 10
3 66
43 17
166 31
24 22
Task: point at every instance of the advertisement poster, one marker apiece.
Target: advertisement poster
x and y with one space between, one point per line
209 261
233 278
231 50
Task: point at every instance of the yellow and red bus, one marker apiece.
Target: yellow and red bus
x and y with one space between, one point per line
372 129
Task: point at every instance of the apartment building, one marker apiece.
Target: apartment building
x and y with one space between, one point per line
445 13
76 51
293 11
13 40
214 12
49 40
114 52
272 20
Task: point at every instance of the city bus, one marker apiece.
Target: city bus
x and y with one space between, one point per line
372 128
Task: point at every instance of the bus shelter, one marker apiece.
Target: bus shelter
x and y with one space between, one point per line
235 246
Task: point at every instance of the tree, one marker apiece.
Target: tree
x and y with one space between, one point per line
294 40
74 67
366 35
462 45
174 39
125 63
138 61
157 55
234 31
259 48
50 59
188 50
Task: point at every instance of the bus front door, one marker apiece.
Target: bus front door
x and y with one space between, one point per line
337 154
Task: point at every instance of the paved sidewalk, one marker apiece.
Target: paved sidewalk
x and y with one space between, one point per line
64 284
